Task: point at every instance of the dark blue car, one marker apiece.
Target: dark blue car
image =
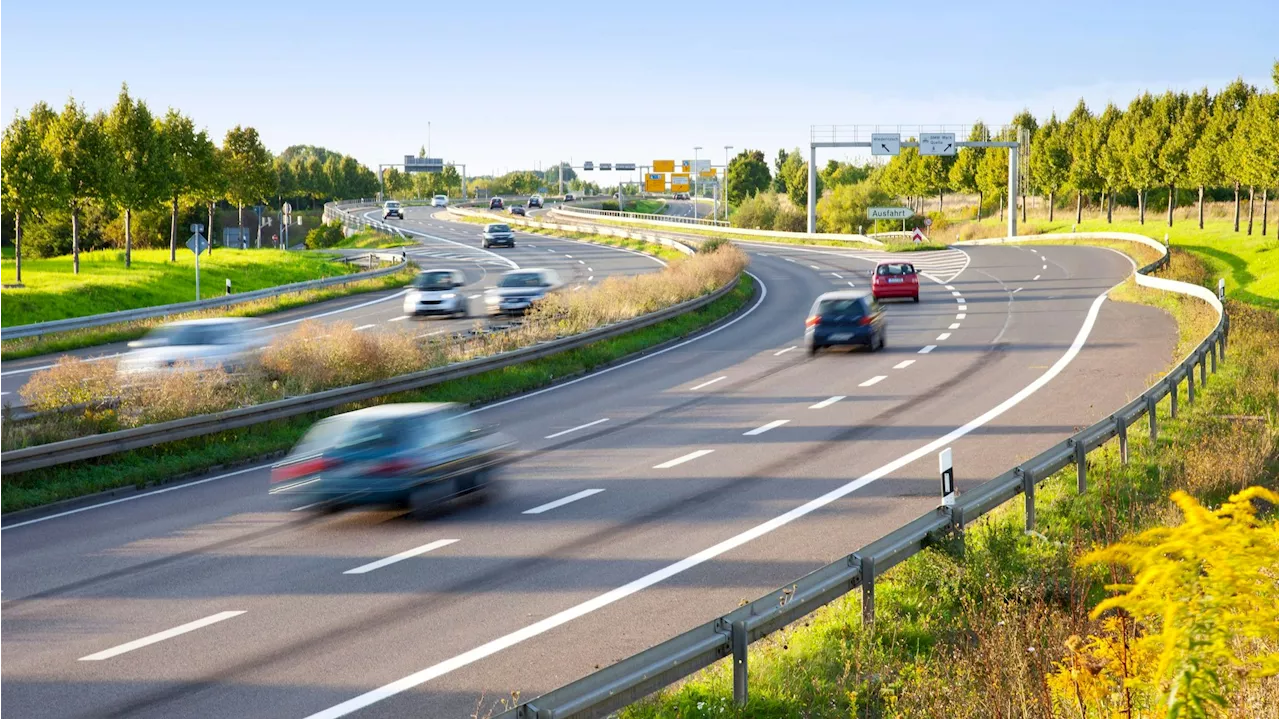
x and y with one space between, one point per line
421 454
847 317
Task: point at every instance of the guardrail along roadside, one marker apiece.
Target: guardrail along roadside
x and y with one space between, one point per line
730 635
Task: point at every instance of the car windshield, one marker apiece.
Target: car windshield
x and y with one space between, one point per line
441 197
187 335
434 281
840 308
351 432
392 205
895 270
521 279
498 228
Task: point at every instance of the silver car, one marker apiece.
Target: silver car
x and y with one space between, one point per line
435 292
517 290
497 233
225 342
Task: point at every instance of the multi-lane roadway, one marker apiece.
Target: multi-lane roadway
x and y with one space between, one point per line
646 499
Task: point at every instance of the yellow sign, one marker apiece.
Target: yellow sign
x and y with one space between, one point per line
664 165
655 182
708 173
684 165
680 182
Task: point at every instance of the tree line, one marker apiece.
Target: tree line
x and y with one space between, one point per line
61 169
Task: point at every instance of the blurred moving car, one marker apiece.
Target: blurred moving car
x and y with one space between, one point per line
421 454
844 317
495 203
497 233
440 201
435 292
391 208
535 201
517 210
517 290
225 342
682 196
897 280
568 197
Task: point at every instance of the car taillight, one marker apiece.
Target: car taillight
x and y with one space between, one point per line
813 321
301 469
864 320
913 278
393 466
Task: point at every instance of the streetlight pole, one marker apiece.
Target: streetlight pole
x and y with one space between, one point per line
695 180
725 183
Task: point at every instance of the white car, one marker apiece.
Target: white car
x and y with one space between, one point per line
440 201
391 208
226 342
435 292
517 290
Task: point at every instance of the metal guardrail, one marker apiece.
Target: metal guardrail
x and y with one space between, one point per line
76 323
73 450
651 217
745 232
601 230
632 679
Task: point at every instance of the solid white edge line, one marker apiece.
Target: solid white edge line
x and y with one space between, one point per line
904 364
827 402
562 501
575 429
603 600
397 319
160 636
708 382
39 368
784 351
683 458
362 328
407 554
873 380
927 349
765 427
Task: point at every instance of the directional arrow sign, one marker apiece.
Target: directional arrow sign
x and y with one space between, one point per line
889 213
885 143
197 240
937 143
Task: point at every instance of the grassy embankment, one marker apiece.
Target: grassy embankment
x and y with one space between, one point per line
977 630
660 251
297 364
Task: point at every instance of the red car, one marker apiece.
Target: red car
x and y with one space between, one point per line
896 280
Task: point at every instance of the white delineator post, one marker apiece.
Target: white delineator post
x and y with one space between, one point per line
948 478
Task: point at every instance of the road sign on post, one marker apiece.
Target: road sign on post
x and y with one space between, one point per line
917 236
889 213
885 143
664 165
197 244
655 182
937 143
679 182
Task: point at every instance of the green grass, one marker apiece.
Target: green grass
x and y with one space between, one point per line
647 207
373 240
52 292
649 248
151 465
971 628
124 331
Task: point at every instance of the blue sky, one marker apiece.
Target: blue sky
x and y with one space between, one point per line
509 85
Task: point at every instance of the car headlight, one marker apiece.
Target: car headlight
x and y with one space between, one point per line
448 296
491 299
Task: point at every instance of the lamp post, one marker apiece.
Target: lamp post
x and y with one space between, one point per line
725 183
695 180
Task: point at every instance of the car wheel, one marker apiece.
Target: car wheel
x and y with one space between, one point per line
425 501
813 350
880 341
484 245
915 298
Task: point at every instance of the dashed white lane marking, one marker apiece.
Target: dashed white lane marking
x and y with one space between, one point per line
160 636
960 316
472 297
398 319
827 402
563 501
962 308
788 259
308 506
1016 291
1033 279
362 328
927 349
873 380
765 427
709 382
1043 258
815 267
407 554
850 284
533 245
592 277
581 262
590 270
569 256
575 429
1044 267
949 287
955 293
954 326
681 460
837 275
943 336
431 334
784 351
549 250
904 364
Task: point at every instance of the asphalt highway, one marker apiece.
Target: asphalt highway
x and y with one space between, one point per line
647 498
438 245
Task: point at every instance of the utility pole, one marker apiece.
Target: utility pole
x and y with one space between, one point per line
724 195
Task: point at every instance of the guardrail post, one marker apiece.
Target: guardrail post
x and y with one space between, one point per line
867 578
1173 399
1191 384
1151 416
738 638
1028 496
1082 468
1213 354
1122 435
1204 379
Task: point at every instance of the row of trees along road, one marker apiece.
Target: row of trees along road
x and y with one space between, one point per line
69 164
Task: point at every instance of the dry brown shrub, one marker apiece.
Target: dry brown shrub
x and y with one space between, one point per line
71 381
315 357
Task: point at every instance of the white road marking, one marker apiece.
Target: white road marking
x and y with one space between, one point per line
550 250
955 293
827 402
582 262
927 349
851 284
431 334
765 427
788 259
472 297
362 328
294 485
949 287
681 460
962 308
533 245
569 256
1043 258
160 636
397 319
837 275
960 300
308 506
590 270
407 554
1033 279
592 277
943 336
709 382
873 380
904 364
954 326
1044 267
961 316
563 501
575 429
784 351
815 267
48 366
1016 291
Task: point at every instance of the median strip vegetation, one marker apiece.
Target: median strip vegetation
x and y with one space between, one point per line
315 357
1005 623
